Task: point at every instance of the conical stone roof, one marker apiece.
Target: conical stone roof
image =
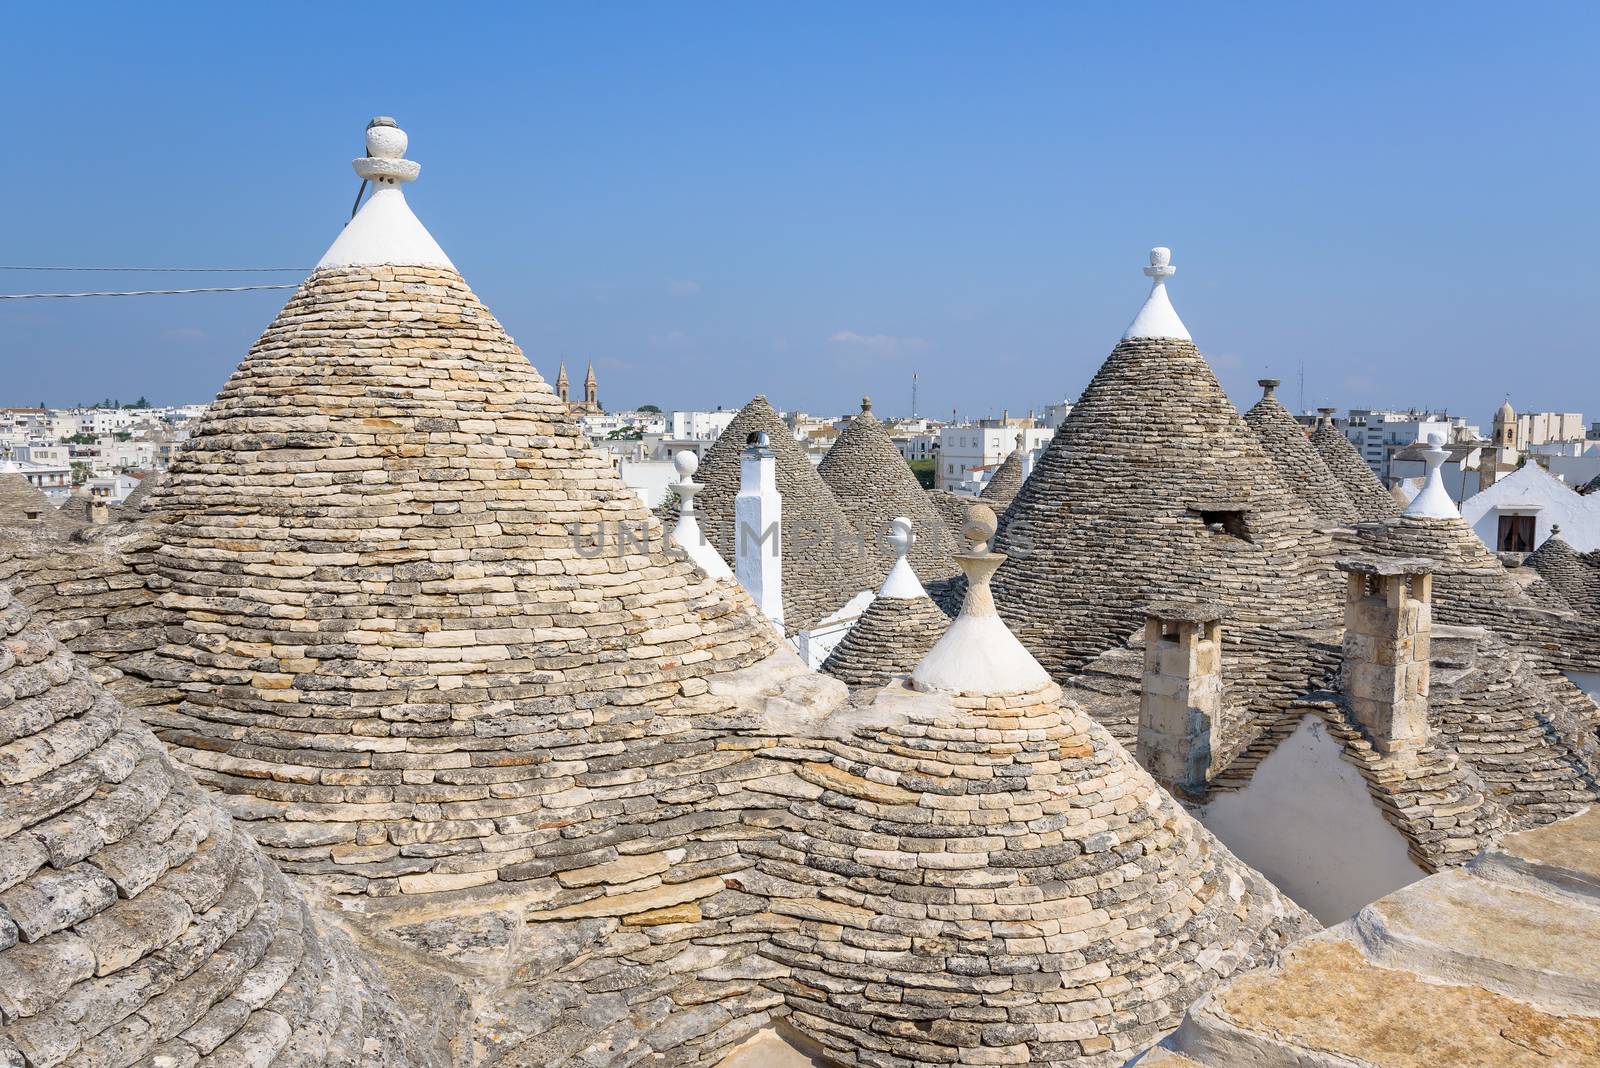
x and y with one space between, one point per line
874 485
138 923
1027 893
411 599
1154 488
898 628
25 512
1366 493
826 561
1003 485
1296 459
134 501
1591 486
1574 576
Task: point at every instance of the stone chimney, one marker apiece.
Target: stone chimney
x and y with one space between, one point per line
99 514
1180 703
758 533
1388 618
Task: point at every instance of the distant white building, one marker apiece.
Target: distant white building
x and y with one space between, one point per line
1378 434
1516 513
53 480
1056 414
1543 428
698 426
969 454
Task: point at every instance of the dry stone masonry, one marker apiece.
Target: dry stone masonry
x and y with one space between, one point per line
1371 501
1181 701
898 628
138 923
1002 487
1297 460
826 561
986 877
873 485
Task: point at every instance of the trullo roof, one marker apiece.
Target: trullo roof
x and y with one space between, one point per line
1296 459
873 485
406 585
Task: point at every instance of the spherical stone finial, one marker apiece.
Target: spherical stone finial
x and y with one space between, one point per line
979 527
385 139
1160 263
686 463
901 535
385 162
866 404
1436 441
1555 528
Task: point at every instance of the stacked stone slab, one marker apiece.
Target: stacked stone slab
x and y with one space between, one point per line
952 508
1473 588
889 639
1490 705
1296 459
138 923
135 500
1573 576
984 876
1155 489
1371 501
422 630
826 561
873 485
25 511
1003 485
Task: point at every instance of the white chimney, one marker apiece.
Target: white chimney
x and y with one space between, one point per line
758 529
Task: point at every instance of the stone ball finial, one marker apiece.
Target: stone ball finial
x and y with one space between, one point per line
979 527
901 535
1436 441
385 139
385 161
1160 263
686 463
1555 528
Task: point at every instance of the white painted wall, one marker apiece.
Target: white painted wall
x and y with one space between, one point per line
1531 490
1307 822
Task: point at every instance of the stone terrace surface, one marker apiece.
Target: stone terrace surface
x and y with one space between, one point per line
138 923
1491 965
889 639
1115 516
1002 487
1366 493
392 647
873 485
826 562
1297 461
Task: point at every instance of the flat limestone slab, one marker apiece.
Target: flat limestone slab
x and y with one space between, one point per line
1457 927
1327 1005
768 1048
1565 854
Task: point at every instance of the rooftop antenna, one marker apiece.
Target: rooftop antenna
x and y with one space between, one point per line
1302 401
913 393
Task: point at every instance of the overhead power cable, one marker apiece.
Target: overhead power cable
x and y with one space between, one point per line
144 292
167 270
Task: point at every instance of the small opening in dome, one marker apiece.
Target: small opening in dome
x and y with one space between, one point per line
1219 521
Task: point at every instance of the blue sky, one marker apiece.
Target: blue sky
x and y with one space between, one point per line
810 201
